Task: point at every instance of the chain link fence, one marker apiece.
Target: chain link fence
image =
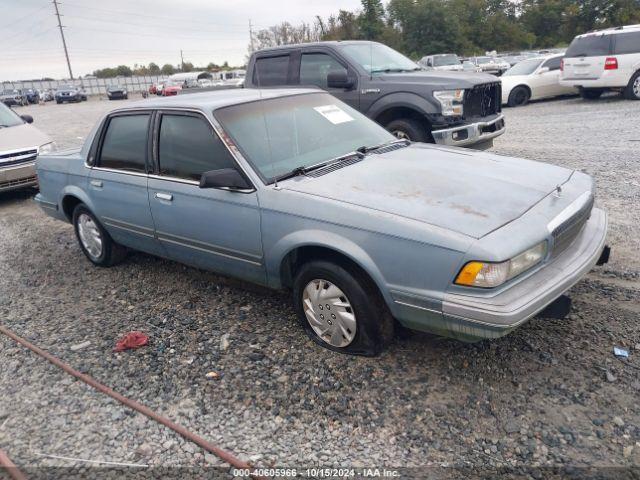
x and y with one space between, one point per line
92 86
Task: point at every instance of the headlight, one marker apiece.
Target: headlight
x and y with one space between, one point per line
488 275
450 100
47 148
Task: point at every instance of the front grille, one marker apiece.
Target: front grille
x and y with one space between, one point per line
19 182
17 158
566 233
483 100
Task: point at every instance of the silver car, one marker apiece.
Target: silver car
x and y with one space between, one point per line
291 188
20 143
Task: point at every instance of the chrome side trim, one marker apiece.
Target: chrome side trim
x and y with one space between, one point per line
418 307
209 248
130 227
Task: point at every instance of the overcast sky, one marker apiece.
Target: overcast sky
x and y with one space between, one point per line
101 34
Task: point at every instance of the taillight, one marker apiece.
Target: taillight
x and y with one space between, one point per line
562 64
611 63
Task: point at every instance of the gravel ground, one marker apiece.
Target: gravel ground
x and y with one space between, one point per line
550 394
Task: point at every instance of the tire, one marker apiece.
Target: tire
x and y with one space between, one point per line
410 129
632 91
371 329
88 228
591 93
58 102
519 97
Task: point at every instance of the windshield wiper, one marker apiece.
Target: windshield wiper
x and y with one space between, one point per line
303 170
364 149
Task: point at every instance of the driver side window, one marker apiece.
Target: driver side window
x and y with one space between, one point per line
188 147
552 64
314 68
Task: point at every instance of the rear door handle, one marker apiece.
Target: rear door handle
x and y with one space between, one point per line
96 183
164 196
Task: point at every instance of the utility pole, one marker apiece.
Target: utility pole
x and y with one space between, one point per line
181 61
64 43
251 36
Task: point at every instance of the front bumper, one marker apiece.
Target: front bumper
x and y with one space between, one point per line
20 176
472 317
470 134
68 98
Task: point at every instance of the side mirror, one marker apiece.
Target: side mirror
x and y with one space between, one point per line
27 118
339 79
224 178
543 70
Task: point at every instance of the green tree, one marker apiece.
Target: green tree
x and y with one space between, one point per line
371 19
123 71
167 69
153 68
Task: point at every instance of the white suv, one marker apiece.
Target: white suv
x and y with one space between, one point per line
604 60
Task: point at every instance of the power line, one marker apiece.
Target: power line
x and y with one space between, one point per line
64 43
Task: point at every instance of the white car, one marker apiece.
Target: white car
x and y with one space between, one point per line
444 61
604 60
533 79
491 65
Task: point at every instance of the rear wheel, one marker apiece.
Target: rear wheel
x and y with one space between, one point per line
410 129
519 97
341 309
591 93
632 92
94 240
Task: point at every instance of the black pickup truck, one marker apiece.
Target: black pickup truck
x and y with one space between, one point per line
450 108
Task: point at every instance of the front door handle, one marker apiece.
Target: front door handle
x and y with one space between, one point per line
164 196
96 183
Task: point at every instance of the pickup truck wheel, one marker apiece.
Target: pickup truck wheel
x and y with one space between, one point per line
94 240
591 93
632 92
519 97
340 309
409 129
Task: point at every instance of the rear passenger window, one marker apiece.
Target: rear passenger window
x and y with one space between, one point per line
627 43
125 143
271 71
314 68
188 147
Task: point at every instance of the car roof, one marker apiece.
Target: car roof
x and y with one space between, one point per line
210 101
612 31
314 44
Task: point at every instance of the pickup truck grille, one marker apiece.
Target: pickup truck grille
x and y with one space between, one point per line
566 233
483 100
16 158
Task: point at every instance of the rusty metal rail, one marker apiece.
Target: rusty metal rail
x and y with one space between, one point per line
224 455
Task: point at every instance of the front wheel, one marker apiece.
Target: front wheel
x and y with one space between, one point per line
632 91
410 129
591 93
519 97
341 309
94 240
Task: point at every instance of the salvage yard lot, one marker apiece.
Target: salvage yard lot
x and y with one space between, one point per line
551 393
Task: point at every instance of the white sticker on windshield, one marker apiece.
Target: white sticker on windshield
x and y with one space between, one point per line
334 114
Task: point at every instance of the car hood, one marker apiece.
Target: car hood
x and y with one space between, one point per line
21 136
439 78
473 193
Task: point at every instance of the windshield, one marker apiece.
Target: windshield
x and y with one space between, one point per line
590 46
378 58
525 67
484 60
279 135
445 60
8 118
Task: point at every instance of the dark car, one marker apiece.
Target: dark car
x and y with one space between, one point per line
115 92
33 96
70 93
449 108
13 96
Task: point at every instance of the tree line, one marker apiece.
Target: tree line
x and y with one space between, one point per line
468 27
155 69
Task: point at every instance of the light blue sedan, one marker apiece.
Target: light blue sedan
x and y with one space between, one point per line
295 189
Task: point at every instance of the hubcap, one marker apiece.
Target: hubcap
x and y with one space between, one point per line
401 135
89 235
329 313
636 87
